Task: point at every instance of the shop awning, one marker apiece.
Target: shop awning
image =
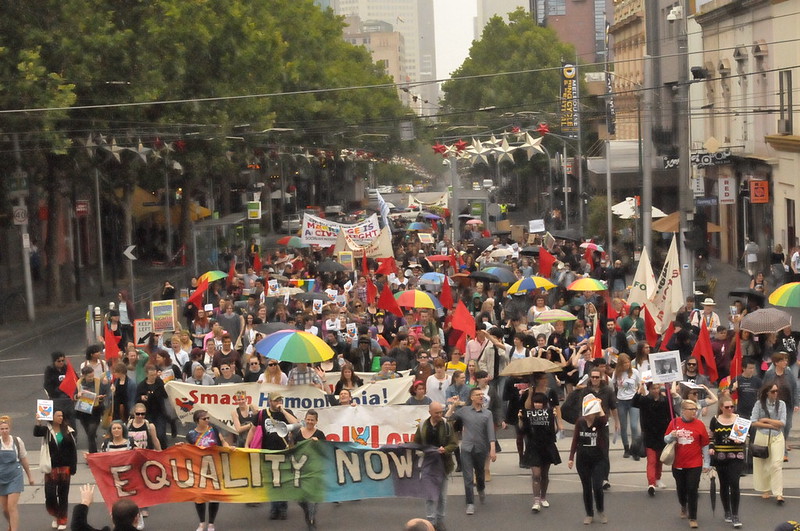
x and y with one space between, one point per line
671 223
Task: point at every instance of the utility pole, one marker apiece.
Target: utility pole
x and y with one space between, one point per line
685 199
646 143
455 183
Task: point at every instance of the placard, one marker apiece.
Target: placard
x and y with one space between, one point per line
44 409
163 314
85 401
740 429
316 304
425 238
142 329
666 366
346 259
536 225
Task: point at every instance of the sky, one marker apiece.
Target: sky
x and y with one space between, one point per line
454 33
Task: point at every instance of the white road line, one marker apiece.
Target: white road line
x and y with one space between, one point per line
49 331
14 359
38 375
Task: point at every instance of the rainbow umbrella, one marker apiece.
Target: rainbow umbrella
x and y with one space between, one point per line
587 284
414 298
417 225
504 275
786 295
211 276
529 283
294 346
551 316
292 241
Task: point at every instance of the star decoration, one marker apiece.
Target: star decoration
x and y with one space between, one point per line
515 129
460 145
531 145
478 152
543 129
505 152
141 151
115 149
439 148
89 145
492 143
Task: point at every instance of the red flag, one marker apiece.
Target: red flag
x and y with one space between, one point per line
387 301
667 335
112 345
231 272
650 328
597 348
463 320
453 263
587 255
69 385
736 362
372 291
197 296
546 261
257 263
387 266
365 265
446 297
703 352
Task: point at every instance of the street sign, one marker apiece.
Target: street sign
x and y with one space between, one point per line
81 208
128 252
705 201
20 215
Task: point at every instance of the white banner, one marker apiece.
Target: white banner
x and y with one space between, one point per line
413 201
371 425
668 297
644 281
380 247
219 400
322 232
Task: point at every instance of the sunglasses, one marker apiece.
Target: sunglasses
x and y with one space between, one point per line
140 414
594 377
272 364
773 390
727 407
691 365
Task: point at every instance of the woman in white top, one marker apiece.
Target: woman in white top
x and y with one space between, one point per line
539 306
273 374
626 382
437 383
518 351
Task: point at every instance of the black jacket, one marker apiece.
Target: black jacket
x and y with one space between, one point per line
80 521
64 454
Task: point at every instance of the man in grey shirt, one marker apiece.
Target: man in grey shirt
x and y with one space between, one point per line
477 442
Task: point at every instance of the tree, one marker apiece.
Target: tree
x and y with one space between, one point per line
516 46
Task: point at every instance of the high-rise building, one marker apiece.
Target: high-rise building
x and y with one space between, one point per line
386 46
489 8
581 23
414 20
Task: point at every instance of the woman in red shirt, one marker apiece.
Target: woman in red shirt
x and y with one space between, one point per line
691 457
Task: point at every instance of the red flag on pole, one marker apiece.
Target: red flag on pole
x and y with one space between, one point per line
597 348
736 362
69 385
587 255
257 263
463 320
197 296
112 345
231 272
387 301
446 297
372 291
650 328
703 352
387 266
667 335
546 261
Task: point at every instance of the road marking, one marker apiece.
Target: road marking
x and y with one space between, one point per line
14 359
37 337
38 375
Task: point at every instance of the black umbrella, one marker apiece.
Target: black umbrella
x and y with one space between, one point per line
712 490
482 243
568 234
310 296
329 266
271 328
497 264
485 277
749 293
531 250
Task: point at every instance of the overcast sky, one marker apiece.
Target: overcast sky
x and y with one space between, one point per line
454 20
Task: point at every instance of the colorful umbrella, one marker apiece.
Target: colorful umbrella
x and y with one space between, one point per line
211 276
529 283
474 222
529 365
551 316
417 225
432 278
430 215
504 275
587 284
439 258
292 241
294 346
415 298
786 295
765 321
593 246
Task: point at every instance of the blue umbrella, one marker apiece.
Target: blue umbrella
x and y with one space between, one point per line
430 215
432 278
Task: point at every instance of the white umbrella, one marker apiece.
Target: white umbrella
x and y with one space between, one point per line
627 209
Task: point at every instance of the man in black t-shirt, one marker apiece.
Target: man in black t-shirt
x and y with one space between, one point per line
747 385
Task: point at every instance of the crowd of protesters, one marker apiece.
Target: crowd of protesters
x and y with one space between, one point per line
457 364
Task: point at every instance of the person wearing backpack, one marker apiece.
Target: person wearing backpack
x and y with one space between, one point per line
435 431
13 460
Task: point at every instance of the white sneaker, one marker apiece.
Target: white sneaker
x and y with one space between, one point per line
545 504
54 525
660 484
470 508
536 507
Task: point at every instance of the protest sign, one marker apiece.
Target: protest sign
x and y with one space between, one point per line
347 260
44 409
666 366
425 238
312 471
372 426
740 429
142 328
380 247
163 314
323 232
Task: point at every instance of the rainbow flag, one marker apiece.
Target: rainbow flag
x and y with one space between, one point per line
312 471
306 284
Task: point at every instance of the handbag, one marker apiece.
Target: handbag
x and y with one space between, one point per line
760 451
668 453
45 464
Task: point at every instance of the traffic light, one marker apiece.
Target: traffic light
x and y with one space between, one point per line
696 237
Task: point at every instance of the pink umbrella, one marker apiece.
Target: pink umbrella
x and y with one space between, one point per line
474 222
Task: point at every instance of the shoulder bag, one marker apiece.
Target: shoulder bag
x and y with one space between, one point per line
45 464
761 451
668 453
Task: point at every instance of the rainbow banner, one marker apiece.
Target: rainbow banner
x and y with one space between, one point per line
313 471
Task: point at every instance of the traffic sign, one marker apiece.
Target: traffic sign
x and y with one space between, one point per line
128 252
20 215
81 208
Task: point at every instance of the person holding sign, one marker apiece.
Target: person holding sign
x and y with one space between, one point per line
727 455
13 460
90 403
60 440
